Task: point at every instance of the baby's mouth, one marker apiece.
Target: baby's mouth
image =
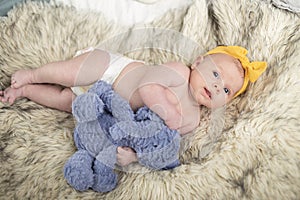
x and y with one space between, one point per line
208 93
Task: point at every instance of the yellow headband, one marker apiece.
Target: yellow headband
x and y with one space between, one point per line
252 69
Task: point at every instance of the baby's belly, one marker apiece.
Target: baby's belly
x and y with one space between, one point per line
126 84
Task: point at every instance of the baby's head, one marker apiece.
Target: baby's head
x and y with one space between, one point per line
222 74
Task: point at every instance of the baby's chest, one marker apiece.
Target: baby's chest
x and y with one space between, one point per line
177 95
184 104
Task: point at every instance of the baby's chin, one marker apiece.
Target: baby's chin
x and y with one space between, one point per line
212 103
207 105
215 105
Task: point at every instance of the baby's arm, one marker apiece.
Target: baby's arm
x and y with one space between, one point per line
155 89
155 97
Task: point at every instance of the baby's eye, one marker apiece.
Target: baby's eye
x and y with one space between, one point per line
227 91
216 74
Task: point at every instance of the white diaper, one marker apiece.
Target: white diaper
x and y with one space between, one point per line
117 63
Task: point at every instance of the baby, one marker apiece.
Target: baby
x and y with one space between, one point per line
172 90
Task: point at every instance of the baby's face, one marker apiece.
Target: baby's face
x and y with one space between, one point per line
215 79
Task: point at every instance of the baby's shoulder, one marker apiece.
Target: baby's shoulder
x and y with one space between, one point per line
180 68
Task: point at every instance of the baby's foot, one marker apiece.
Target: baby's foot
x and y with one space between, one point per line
21 77
9 95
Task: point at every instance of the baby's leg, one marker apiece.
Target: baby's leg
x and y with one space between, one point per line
52 96
84 69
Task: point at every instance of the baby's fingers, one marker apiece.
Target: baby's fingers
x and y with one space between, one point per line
11 100
128 149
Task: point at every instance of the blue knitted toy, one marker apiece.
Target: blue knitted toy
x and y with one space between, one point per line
106 121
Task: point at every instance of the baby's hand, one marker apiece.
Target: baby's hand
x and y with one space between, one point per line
126 156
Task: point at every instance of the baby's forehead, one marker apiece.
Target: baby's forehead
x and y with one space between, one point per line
222 60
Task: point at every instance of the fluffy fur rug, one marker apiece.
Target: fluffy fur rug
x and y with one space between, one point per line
249 150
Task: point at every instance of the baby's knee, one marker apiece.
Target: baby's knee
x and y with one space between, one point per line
67 93
67 97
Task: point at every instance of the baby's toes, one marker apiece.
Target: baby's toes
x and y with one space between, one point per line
11 100
12 82
13 77
4 99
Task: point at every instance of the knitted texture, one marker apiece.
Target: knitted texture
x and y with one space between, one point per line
106 121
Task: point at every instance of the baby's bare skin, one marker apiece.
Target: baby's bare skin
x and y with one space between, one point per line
20 78
164 89
153 86
10 95
172 90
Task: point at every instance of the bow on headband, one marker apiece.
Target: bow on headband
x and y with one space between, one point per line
252 69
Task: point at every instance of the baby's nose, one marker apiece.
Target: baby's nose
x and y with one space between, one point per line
217 88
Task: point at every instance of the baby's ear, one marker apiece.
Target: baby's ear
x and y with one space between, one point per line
198 60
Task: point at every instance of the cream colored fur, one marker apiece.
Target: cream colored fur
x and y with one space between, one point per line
255 156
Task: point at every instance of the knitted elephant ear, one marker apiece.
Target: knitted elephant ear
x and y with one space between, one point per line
120 108
87 107
252 70
115 105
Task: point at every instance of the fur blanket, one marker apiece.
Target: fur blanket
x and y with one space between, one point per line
248 150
